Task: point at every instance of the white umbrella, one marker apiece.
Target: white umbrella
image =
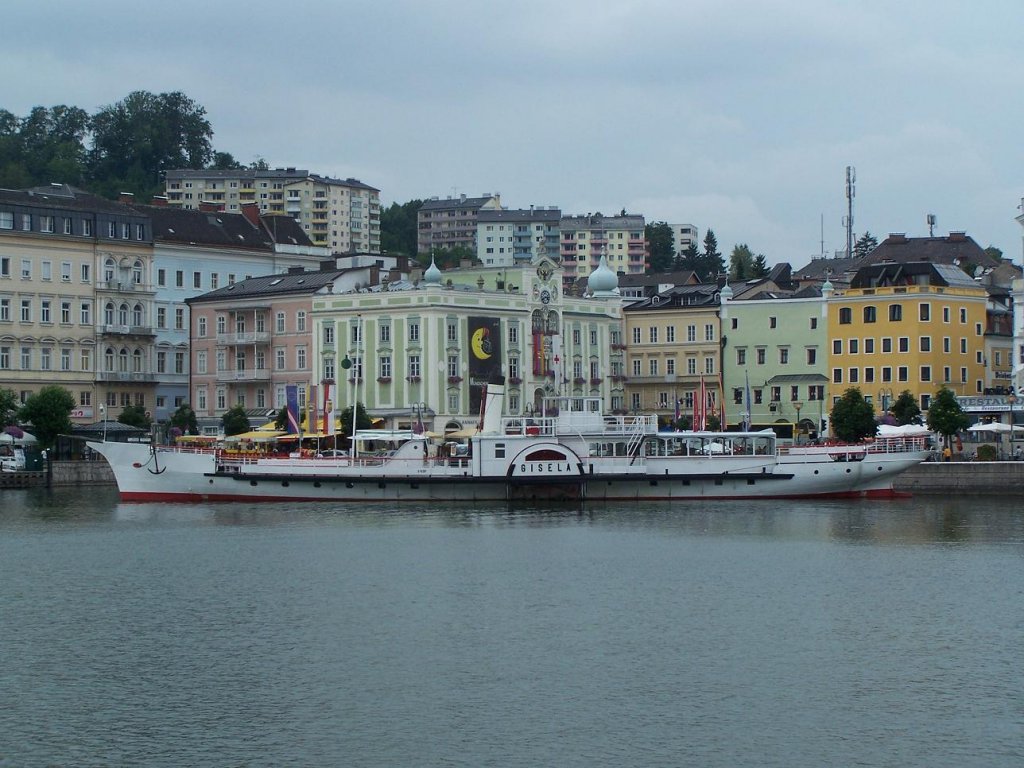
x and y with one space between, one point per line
905 430
994 427
6 438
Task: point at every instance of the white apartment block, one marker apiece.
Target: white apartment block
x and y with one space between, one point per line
340 214
507 237
683 236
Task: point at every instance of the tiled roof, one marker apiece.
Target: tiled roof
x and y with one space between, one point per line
62 196
488 215
228 230
469 202
285 230
272 285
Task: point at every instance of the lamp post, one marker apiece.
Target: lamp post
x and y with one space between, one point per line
1011 399
798 405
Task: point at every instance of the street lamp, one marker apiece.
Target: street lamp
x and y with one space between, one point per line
1011 399
798 405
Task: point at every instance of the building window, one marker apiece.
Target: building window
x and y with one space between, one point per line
812 356
925 312
870 315
179 319
773 322
814 323
895 313
904 342
741 357
926 373
279 322
784 356
761 355
837 375
854 346
845 315
414 332
300 321
837 346
926 344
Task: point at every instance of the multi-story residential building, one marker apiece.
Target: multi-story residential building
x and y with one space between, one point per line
196 251
340 214
774 357
911 326
253 338
452 222
423 353
673 343
506 237
684 236
584 239
76 299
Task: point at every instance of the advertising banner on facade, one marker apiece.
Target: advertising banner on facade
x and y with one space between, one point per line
485 357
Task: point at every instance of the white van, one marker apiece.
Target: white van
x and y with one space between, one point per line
12 459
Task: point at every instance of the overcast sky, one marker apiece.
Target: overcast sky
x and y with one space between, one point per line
736 115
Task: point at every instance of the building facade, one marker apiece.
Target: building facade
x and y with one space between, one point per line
76 299
507 237
907 327
584 239
422 354
340 214
452 222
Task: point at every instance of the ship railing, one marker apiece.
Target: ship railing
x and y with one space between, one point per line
529 425
878 445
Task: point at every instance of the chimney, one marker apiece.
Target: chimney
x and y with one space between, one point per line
896 238
957 237
126 197
208 206
159 200
251 211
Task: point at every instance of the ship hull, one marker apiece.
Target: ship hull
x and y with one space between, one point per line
145 475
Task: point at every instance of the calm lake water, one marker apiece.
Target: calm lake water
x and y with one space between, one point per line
736 634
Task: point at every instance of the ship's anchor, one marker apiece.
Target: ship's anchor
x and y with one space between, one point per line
156 462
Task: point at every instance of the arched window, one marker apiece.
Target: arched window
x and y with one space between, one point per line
109 268
137 361
137 272
122 314
122 361
108 313
108 360
137 315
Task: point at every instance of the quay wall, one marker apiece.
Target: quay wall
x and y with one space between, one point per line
956 477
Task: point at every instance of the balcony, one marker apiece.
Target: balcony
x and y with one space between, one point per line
252 337
124 377
126 330
244 375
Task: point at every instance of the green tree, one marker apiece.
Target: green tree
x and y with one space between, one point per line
709 264
945 415
865 244
362 419
135 416
741 263
140 137
994 253
235 421
761 268
184 418
281 420
852 418
447 258
47 145
687 259
49 412
906 410
225 161
659 243
9 406
398 228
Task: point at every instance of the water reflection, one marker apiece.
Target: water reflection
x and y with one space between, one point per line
922 520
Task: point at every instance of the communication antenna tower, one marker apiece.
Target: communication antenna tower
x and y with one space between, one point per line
851 192
931 224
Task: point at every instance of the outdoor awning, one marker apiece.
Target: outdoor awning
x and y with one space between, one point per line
799 378
256 435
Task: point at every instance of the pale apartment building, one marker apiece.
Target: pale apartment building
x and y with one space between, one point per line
584 239
340 214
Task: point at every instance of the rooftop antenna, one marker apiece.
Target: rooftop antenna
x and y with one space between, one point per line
931 224
823 235
851 192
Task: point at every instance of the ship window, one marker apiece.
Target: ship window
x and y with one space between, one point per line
499 450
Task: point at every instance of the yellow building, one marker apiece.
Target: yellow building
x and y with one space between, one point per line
673 341
913 326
